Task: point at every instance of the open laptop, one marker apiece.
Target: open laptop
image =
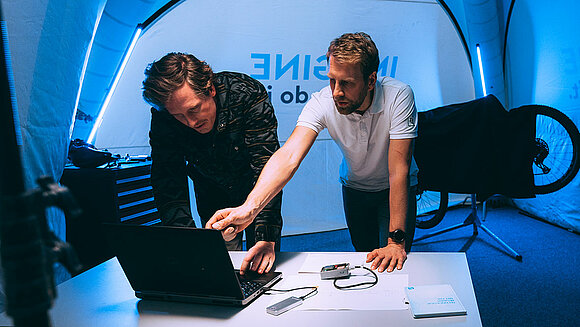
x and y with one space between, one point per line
183 264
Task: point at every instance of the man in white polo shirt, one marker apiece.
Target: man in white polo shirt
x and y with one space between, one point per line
374 123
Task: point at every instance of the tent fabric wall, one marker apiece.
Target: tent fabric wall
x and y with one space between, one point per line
115 27
543 67
417 42
48 41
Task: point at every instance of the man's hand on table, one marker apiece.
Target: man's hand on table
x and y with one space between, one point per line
391 256
260 258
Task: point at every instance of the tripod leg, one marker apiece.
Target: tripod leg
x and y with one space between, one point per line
473 218
470 220
484 210
502 243
444 230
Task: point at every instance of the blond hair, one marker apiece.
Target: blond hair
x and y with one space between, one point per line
355 48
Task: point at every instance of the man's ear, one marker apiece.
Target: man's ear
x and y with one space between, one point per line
212 91
372 80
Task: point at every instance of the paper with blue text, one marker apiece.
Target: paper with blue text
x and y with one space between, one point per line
434 301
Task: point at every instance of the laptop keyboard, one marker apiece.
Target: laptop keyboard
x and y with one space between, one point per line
249 287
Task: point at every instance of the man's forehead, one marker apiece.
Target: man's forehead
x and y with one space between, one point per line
337 65
351 75
348 78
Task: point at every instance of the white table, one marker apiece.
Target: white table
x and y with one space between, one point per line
102 296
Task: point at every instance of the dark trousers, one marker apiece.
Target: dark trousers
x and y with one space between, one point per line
367 216
210 198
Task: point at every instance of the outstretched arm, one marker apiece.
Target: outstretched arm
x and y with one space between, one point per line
276 173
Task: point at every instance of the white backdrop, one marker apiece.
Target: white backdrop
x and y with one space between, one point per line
283 46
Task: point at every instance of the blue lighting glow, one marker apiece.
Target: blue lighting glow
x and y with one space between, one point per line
8 62
103 109
83 72
481 69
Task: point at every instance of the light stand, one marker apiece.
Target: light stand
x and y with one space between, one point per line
473 220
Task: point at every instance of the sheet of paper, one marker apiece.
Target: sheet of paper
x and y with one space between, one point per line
388 294
315 261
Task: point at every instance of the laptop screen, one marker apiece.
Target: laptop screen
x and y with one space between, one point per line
174 260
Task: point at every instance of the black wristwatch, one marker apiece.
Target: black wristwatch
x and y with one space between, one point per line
398 235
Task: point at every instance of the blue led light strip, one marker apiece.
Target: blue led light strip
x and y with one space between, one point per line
83 72
103 109
481 69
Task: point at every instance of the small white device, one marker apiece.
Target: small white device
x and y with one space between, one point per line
279 308
341 270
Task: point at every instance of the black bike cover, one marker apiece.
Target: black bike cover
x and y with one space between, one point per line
477 147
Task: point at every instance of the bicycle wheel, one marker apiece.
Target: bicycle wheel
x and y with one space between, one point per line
431 208
556 156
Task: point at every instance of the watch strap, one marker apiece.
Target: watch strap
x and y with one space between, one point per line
398 235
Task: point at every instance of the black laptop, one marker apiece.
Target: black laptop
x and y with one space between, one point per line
183 264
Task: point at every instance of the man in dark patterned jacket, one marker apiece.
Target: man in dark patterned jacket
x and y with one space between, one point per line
218 129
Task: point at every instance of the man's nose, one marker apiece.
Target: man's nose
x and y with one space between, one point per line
337 92
191 121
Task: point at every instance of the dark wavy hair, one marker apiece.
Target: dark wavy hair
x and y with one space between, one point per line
165 76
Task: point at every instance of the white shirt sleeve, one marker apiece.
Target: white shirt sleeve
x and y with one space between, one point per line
312 115
404 115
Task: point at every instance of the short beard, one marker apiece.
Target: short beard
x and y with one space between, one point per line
348 109
354 106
